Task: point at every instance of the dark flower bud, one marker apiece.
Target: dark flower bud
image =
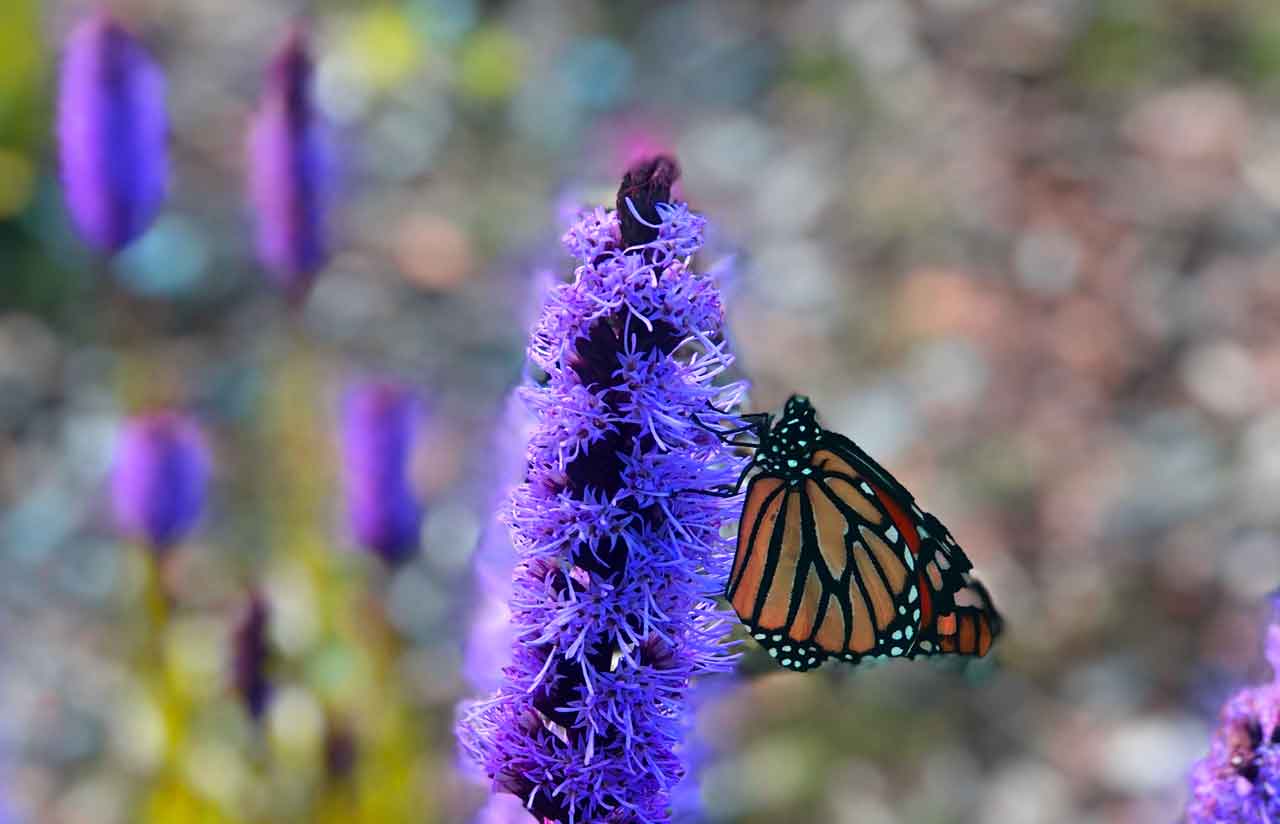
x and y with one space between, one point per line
250 655
645 185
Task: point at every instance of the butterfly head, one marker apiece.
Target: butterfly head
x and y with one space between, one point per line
787 448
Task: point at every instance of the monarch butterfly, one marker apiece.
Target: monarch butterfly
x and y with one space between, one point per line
836 560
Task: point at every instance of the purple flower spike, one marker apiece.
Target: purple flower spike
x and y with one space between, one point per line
1239 781
250 654
379 427
160 478
613 598
290 168
112 132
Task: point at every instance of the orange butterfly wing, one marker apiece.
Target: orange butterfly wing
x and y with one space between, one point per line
836 560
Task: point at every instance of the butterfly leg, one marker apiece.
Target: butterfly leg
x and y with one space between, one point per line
726 435
727 492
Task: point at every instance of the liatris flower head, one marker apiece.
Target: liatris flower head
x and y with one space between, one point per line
1239 781
617 568
111 133
379 428
291 170
250 655
160 478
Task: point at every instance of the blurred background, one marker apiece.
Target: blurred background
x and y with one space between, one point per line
1025 253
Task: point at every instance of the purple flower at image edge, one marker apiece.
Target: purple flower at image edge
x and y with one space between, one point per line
613 598
112 133
160 478
379 427
290 171
1239 780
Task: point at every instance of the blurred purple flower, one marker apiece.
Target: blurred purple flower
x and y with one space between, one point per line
379 427
1239 781
501 809
290 167
112 132
160 478
613 595
488 645
696 749
250 654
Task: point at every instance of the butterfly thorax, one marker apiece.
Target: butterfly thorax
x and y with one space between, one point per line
786 448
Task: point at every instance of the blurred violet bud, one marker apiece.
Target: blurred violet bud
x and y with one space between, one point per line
1238 782
160 478
379 427
290 168
341 749
111 132
250 655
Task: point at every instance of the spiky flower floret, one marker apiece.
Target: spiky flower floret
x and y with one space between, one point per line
618 564
1239 781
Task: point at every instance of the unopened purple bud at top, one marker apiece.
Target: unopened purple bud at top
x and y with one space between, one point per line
250 654
112 133
160 478
1238 782
379 428
290 169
